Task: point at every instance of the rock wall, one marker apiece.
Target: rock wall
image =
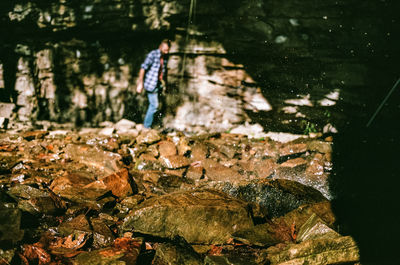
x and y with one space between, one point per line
293 66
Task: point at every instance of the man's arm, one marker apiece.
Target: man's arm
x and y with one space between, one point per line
139 83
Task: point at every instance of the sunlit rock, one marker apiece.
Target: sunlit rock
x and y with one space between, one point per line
208 217
315 228
319 251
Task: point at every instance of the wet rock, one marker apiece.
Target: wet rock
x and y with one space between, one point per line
294 162
311 173
119 183
314 228
7 162
94 157
169 254
217 172
79 223
39 206
72 187
170 183
203 216
195 172
299 216
265 168
227 259
10 225
167 148
174 161
102 235
278 197
26 192
183 146
262 235
292 148
111 255
34 135
319 251
199 152
323 147
148 137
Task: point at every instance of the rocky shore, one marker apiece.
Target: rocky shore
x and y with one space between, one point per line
125 195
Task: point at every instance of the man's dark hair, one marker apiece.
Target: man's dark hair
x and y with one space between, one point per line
166 41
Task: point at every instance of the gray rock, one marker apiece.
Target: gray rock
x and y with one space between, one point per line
6 110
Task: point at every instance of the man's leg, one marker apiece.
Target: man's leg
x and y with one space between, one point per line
151 110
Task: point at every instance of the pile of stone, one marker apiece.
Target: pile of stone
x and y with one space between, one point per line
166 198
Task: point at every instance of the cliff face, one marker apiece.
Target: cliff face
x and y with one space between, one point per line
289 66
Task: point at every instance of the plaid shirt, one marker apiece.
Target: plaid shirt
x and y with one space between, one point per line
152 66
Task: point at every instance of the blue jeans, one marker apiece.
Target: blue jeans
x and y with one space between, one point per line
153 106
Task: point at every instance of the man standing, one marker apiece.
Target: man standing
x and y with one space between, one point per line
152 77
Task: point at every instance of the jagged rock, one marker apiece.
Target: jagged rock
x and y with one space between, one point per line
320 146
102 235
199 152
203 216
148 137
72 187
259 235
277 197
227 259
79 223
174 161
168 253
294 162
314 228
319 251
167 148
106 162
7 162
119 183
215 171
34 135
292 148
110 255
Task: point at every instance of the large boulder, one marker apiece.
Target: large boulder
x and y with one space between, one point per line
340 250
276 197
203 216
